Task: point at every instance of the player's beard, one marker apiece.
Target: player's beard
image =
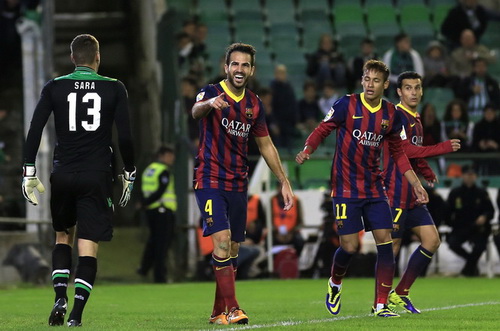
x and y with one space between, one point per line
235 84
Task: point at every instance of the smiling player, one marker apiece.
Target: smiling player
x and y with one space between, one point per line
229 114
363 121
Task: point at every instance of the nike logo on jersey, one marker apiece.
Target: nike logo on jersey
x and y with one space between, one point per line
354 117
412 124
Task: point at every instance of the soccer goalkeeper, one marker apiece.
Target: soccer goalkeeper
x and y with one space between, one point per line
85 106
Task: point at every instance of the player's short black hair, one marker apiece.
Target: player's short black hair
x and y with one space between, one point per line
164 149
84 49
243 48
377 65
468 168
407 75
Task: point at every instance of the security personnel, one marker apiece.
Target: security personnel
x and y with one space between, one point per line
286 226
160 203
469 213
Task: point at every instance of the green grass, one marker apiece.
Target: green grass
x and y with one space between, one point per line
446 303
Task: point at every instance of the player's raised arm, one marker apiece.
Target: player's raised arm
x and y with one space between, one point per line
202 108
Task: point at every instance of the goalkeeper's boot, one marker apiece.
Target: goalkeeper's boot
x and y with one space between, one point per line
74 323
220 319
384 312
402 301
237 316
58 312
333 299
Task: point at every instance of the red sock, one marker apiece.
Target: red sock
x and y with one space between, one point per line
224 277
219 304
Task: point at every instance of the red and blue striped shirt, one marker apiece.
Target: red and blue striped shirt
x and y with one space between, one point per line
221 161
361 130
399 190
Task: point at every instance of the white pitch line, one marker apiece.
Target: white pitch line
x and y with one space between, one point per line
343 318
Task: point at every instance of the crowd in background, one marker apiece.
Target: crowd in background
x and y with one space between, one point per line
458 63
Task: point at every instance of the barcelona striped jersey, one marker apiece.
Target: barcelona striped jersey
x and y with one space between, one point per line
361 130
399 190
221 161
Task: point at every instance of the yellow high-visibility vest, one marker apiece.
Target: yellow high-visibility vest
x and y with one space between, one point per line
150 184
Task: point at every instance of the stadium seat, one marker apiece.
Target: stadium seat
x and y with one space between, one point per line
416 22
280 11
248 10
186 6
313 5
350 27
250 32
382 23
314 23
439 97
215 10
439 10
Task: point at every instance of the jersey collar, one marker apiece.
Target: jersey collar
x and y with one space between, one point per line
233 96
83 68
370 108
412 113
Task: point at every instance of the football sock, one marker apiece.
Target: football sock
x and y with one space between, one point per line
384 272
61 268
234 262
419 260
340 264
224 277
84 280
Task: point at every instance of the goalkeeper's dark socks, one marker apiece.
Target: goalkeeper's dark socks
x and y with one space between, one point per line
224 276
419 260
61 266
84 281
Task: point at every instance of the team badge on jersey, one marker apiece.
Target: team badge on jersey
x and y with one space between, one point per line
209 221
402 134
384 124
329 115
200 96
249 113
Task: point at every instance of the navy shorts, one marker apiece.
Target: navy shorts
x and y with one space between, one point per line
223 210
409 218
83 199
354 215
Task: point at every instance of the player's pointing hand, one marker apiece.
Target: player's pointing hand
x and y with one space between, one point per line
218 102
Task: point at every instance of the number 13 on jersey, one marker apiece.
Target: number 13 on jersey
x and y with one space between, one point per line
94 100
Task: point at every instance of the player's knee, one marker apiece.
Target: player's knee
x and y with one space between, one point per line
350 248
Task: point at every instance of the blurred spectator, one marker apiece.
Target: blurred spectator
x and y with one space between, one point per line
456 124
465 15
285 108
221 72
191 62
402 57
431 125
492 8
287 224
436 66
256 234
367 52
479 89
461 60
199 39
496 230
309 111
330 241
266 95
327 63
328 97
10 40
486 139
189 91
469 213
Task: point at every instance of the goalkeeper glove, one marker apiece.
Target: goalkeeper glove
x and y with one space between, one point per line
30 182
128 179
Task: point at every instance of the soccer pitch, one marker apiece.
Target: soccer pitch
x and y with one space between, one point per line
446 304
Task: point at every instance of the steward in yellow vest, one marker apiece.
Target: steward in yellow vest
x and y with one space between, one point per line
160 203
